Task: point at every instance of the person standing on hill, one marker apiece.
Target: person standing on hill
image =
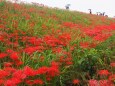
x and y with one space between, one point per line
67 6
103 14
97 13
90 11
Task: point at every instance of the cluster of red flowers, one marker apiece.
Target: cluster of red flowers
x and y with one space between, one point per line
100 83
103 82
12 77
100 33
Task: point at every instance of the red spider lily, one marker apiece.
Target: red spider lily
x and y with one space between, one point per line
92 45
29 82
9 70
51 41
101 37
19 74
29 71
62 59
93 82
53 71
3 73
3 55
38 81
1 82
103 72
1 38
42 70
92 32
76 81
18 63
30 50
112 64
112 77
35 41
84 45
57 50
105 83
65 38
10 83
7 64
68 61
2 26
48 78
69 24
16 80
9 51
14 56
55 64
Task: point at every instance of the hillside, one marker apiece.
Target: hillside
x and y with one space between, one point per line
42 46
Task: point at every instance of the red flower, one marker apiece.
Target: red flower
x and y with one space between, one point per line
9 51
2 55
105 83
29 82
7 64
54 64
112 64
14 56
53 71
3 73
84 44
103 72
76 81
69 63
18 63
93 82
38 81
16 80
29 71
48 78
30 50
10 70
1 82
69 24
112 77
19 74
10 83
1 38
42 70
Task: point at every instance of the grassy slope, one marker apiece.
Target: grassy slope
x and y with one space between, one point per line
26 21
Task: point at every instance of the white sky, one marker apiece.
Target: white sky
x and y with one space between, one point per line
107 6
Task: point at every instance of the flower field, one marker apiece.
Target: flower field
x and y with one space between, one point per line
42 46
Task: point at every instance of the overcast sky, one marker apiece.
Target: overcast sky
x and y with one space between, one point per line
107 6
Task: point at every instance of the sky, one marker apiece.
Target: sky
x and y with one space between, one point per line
107 6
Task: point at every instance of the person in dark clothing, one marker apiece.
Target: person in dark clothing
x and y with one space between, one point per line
103 13
67 6
90 11
100 14
97 13
106 15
